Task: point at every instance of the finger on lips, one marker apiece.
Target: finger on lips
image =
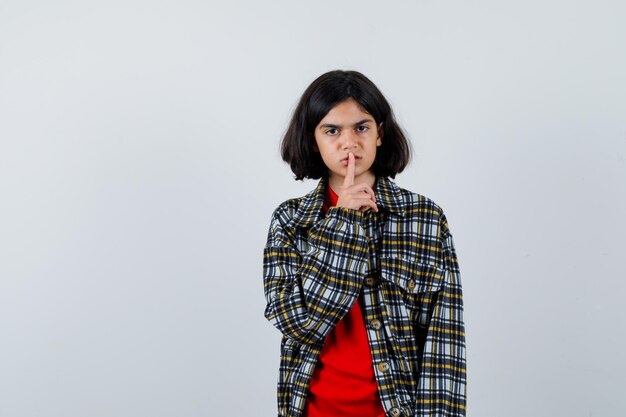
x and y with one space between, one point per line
349 179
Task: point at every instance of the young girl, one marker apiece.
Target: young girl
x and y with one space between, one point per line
360 275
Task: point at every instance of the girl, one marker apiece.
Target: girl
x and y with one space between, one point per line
360 275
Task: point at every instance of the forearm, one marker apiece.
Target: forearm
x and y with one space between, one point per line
442 378
308 293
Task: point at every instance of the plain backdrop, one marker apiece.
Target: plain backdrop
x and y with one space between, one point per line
139 167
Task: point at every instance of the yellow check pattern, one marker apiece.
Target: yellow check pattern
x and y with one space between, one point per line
403 262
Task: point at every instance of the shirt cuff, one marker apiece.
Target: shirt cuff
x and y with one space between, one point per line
347 214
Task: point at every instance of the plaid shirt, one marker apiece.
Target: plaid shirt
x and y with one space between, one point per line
403 261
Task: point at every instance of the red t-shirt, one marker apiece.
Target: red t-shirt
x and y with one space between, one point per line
343 383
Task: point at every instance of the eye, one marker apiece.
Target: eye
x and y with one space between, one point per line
362 128
331 132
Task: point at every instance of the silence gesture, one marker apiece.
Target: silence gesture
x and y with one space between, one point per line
356 196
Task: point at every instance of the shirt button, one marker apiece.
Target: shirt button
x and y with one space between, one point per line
370 281
376 324
383 367
395 412
411 285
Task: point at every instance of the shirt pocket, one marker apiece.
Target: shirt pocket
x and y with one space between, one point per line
409 290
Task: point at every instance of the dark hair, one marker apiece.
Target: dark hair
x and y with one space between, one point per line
328 90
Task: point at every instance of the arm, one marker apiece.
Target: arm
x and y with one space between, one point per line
308 293
442 378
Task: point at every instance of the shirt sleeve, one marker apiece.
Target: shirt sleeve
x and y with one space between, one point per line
442 377
310 287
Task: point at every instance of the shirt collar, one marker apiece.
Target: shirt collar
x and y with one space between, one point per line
388 198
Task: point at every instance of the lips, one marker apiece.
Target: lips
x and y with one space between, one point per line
346 158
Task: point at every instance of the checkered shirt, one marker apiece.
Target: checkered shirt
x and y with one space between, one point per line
402 259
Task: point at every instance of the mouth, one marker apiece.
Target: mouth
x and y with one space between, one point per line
344 161
356 158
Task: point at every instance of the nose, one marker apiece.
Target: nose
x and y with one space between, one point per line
349 139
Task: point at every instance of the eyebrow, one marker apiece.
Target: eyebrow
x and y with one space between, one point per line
360 122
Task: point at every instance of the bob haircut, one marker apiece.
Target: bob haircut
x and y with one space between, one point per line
328 90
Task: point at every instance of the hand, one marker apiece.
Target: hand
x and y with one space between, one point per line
355 196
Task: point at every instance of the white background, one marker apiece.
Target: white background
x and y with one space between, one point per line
139 167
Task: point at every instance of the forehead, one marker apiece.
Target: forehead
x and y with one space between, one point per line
346 111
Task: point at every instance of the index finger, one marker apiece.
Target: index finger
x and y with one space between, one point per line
349 178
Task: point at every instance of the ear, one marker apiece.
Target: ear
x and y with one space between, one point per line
381 133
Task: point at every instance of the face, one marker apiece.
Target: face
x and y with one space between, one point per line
347 127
